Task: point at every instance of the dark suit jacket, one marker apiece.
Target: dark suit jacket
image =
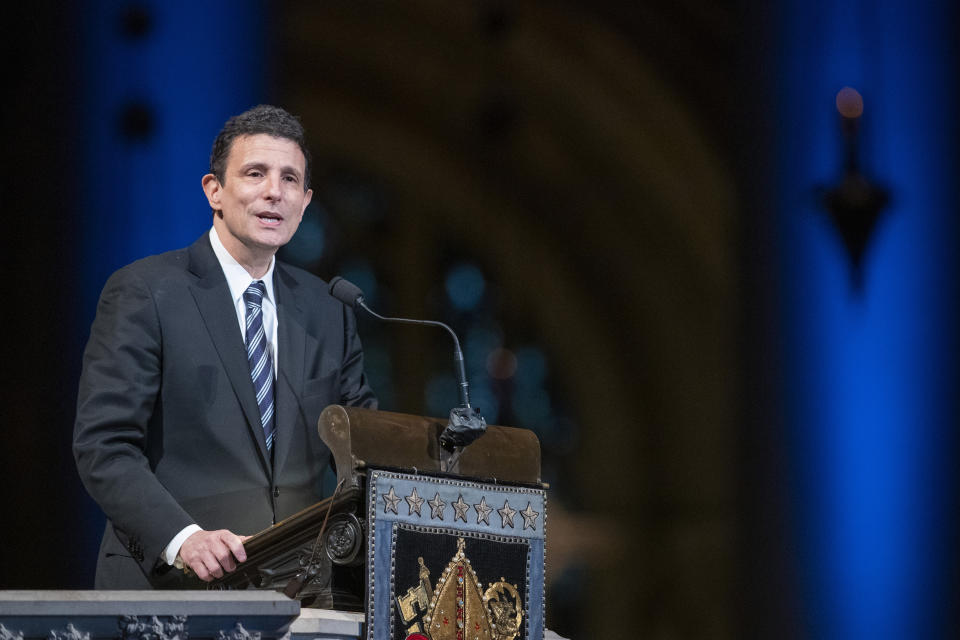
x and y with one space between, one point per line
168 431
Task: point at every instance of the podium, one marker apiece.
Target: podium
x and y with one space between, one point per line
431 546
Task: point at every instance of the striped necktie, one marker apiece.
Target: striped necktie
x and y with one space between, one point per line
258 356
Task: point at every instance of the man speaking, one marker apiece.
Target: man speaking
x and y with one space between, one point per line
206 371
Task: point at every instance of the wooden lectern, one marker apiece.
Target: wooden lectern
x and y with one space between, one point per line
325 555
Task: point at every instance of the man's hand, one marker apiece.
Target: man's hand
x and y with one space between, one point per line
209 553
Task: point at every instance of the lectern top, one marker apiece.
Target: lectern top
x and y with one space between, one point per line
361 438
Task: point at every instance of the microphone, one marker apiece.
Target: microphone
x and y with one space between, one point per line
466 424
345 291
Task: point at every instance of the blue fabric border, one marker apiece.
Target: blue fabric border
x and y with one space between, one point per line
496 497
501 500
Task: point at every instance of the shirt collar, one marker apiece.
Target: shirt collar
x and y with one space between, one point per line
237 277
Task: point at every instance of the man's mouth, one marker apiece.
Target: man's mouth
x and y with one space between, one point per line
270 217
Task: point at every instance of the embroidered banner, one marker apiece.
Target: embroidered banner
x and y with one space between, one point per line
451 559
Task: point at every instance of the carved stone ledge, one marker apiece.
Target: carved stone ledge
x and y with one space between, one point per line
167 628
239 633
5 634
158 615
70 633
145 615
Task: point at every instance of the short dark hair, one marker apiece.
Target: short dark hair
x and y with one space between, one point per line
261 119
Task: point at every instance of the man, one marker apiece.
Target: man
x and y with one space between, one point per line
206 371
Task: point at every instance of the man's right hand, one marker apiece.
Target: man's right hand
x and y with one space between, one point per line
209 553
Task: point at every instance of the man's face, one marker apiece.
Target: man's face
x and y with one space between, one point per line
261 201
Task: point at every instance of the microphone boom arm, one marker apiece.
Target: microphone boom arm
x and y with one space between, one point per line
466 423
457 353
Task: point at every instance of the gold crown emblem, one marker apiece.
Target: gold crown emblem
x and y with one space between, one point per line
457 607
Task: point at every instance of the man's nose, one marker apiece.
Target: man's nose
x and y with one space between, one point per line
273 187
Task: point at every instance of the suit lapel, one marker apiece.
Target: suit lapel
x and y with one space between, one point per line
213 300
290 339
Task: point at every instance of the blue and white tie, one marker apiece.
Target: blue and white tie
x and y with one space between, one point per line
258 356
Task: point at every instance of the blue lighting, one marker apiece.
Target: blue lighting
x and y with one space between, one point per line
193 66
196 65
465 285
869 376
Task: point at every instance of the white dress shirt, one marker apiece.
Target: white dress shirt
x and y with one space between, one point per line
238 280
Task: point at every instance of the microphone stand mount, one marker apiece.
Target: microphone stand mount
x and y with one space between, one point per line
465 423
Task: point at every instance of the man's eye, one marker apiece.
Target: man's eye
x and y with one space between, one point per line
254 174
292 179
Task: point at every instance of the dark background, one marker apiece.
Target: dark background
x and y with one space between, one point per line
748 424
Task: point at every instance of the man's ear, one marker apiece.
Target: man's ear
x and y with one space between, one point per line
306 201
213 189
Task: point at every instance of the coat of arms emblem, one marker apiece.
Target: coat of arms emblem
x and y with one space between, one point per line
457 607
447 562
